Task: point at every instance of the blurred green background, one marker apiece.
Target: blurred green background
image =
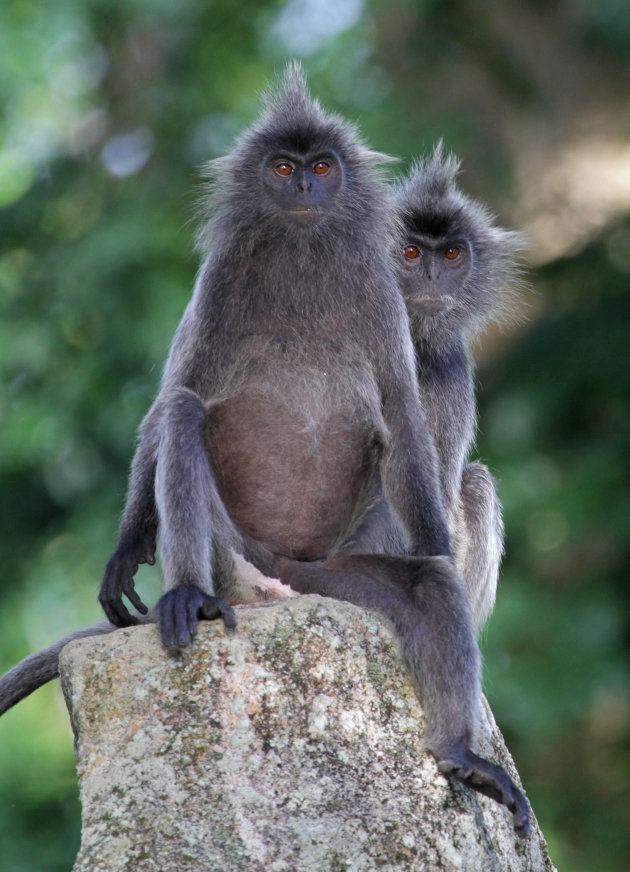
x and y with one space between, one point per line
109 108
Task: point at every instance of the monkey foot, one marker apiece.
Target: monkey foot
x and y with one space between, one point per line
489 779
180 610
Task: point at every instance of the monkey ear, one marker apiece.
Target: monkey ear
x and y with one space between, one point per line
215 169
512 292
377 158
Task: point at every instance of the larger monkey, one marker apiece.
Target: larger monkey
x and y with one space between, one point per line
288 395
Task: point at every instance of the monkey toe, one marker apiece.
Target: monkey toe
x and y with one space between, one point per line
213 608
179 612
489 779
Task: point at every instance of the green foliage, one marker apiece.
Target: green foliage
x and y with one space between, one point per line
558 436
109 108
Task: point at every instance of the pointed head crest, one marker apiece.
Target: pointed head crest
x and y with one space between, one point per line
437 173
429 192
292 122
288 103
290 113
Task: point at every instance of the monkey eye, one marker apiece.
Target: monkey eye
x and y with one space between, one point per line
283 169
411 252
451 253
321 168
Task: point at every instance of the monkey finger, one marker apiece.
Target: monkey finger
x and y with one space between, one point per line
132 595
213 607
508 795
520 813
173 619
117 613
193 608
111 593
183 632
146 550
186 601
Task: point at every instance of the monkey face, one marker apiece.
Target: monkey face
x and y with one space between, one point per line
433 272
303 187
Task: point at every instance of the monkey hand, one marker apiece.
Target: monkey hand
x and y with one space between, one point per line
118 579
179 612
489 779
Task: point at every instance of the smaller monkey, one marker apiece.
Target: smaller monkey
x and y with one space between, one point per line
458 272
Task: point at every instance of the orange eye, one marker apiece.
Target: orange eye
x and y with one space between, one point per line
412 252
451 253
321 168
284 169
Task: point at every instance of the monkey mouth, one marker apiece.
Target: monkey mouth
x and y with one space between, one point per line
433 305
305 215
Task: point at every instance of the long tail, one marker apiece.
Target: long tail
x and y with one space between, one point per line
39 668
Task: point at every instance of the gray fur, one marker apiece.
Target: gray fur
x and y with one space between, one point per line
288 399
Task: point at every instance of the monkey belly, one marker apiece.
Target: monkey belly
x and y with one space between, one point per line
291 482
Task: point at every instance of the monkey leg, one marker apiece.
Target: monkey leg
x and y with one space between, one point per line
428 607
378 532
426 603
478 539
196 533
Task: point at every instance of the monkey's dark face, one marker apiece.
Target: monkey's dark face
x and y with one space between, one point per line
303 187
433 272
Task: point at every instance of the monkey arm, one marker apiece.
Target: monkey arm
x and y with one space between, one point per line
447 397
139 524
409 475
409 464
138 529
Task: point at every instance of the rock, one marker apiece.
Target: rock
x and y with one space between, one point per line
292 745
